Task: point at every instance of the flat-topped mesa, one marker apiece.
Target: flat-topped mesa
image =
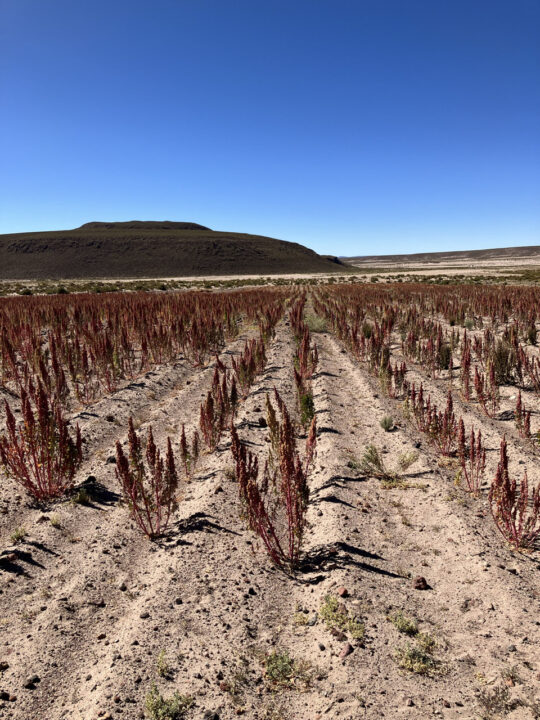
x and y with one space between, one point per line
142 225
151 249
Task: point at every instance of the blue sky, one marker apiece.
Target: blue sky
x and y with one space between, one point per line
352 126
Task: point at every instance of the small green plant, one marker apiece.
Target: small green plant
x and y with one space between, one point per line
496 702
405 460
387 423
159 708
55 522
373 465
416 660
163 667
237 680
18 535
426 642
307 408
300 618
281 669
404 624
334 614
315 323
81 497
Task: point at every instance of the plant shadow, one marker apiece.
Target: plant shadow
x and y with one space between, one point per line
340 555
98 494
10 561
198 522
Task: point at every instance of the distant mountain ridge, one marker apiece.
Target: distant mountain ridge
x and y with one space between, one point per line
521 252
152 249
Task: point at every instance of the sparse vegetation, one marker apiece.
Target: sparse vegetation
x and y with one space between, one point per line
373 465
315 323
163 667
496 702
283 670
18 535
417 660
158 707
405 625
335 616
81 497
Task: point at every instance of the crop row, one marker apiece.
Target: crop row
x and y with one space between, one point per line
364 319
82 347
40 454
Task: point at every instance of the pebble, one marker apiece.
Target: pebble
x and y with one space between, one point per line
31 682
420 583
347 649
342 591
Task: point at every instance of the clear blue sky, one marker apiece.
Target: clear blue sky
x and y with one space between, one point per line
352 126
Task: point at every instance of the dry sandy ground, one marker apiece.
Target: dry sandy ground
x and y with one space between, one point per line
452 267
88 605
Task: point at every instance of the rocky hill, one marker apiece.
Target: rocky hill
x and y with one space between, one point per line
138 249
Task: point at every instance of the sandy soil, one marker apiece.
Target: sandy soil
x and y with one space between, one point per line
88 605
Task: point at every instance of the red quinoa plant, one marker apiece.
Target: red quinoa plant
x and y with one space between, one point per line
275 505
190 456
472 458
522 418
149 489
515 512
487 391
39 453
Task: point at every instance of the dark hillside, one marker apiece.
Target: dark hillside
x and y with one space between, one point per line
150 249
